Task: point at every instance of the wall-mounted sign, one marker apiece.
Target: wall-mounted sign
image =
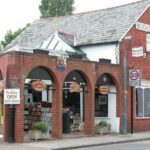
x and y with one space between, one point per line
74 87
11 96
38 85
1 87
134 77
103 89
143 26
137 52
61 63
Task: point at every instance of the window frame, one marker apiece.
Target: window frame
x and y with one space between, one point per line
148 42
143 88
98 99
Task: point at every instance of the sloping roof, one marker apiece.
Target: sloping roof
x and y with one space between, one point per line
68 38
107 25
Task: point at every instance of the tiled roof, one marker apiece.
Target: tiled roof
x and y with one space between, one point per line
68 38
107 25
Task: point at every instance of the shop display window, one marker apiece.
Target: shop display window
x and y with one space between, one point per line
101 105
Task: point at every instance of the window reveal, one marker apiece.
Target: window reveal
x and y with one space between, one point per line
148 42
142 102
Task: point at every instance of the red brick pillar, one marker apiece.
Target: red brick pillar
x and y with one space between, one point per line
57 113
12 82
5 122
19 119
89 112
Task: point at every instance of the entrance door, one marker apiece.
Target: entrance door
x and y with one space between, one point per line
73 101
73 105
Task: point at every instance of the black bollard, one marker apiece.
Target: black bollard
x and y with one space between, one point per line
11 123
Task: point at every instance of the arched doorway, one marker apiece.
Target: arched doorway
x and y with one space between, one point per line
106 102
1 103
38 98
73 102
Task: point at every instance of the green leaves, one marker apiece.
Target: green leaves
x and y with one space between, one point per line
51 8
9 36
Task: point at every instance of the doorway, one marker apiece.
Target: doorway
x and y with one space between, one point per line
106 102
73 103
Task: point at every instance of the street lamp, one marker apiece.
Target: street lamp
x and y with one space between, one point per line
124 128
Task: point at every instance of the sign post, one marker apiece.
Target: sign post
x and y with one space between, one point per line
11 97
134 79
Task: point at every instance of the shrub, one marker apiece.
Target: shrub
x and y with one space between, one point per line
103 124
40 126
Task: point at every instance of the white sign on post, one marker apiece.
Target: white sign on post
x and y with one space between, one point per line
134 77
11 96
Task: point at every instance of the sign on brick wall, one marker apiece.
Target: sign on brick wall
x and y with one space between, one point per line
11 96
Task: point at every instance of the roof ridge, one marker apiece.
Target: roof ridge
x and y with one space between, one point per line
98 10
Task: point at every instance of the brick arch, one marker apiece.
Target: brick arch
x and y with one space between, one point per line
88 101
49 70
117 84
83 74
114 78
56 98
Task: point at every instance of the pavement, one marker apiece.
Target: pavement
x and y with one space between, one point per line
78 142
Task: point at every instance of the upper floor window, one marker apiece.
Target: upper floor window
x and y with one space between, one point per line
148 42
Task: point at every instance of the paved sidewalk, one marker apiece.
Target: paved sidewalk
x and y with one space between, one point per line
72 143
89 141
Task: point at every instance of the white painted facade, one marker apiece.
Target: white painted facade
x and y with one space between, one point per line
95 52
112 112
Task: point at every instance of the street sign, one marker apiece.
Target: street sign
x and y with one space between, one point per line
134 77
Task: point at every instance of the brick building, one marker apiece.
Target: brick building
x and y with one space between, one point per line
71 58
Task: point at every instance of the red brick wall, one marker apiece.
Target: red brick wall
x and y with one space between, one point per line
18 66
138 40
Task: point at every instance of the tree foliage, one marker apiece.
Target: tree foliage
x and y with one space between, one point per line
9 36
51 8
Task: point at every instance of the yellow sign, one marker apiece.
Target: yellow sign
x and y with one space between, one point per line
103 89
38 85
74 87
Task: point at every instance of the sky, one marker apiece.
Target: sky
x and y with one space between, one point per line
16 14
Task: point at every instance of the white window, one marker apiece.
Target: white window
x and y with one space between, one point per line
143 102
148 42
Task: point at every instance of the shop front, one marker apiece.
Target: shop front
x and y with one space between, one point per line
106 102
62 98
38 98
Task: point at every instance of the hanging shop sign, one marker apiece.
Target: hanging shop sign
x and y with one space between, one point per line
61 63
74 87
12 96
103 89
1 87
38 85
143 26
137 52
134 77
